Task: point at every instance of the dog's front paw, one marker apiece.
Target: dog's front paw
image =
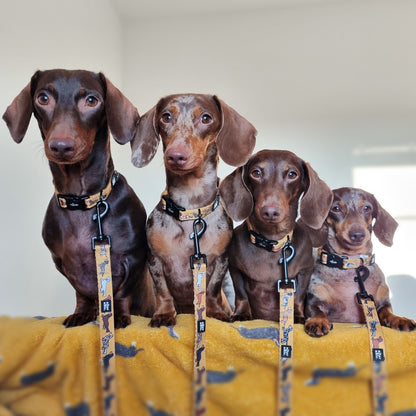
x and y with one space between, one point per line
78 319
221 316
244 316
162 319
122 321
317 327
399 323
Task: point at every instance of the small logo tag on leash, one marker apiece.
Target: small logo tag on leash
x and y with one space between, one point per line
201 326
378 354
106 305
286 351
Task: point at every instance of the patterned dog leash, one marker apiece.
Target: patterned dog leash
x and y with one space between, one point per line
377 345
198 264
101 246
287 289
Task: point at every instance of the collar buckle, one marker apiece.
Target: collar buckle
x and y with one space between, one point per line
260 241
332 260
171 208
72 202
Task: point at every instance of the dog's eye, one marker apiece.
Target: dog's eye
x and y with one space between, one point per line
206 118
255 173
336 208
92 101
166 117
292 174
367 208
43 99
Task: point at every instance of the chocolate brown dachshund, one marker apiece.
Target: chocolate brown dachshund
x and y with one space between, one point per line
332 291
266 194
195 130
75 111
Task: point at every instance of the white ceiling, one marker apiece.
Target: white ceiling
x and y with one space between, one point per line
142 9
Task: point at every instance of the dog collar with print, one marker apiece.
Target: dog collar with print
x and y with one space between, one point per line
83 202
345 262
270 245
183 214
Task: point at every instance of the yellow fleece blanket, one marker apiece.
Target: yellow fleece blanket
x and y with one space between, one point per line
47 370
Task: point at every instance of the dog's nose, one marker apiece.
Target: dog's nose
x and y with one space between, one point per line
61 148
176 157
270 213
356 236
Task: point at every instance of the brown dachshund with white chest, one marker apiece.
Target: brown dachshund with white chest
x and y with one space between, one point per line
75 111
332 291
266 193
195 129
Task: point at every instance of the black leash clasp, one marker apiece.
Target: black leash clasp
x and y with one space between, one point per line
196 235
284 260
362 274
100 213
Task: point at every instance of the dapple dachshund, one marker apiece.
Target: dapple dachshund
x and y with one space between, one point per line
266 194
195 129
75 110
332 290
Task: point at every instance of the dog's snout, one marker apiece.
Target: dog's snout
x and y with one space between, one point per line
176 157
357 236
62 148
270 213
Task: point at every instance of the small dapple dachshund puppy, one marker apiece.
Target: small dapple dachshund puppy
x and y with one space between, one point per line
266 194
332 290
195 130
75 111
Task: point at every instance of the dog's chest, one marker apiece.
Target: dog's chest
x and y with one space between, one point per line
338 290
170 238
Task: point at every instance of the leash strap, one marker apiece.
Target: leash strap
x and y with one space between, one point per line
101 247
199 270
285 374
377 346
200 373
286 288
106 321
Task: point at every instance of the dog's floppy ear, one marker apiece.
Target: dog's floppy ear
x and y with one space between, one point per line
122 115
385 225
237 136
316 200
146 140
236 197
18 113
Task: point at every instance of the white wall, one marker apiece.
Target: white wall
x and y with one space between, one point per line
41 35
333 81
